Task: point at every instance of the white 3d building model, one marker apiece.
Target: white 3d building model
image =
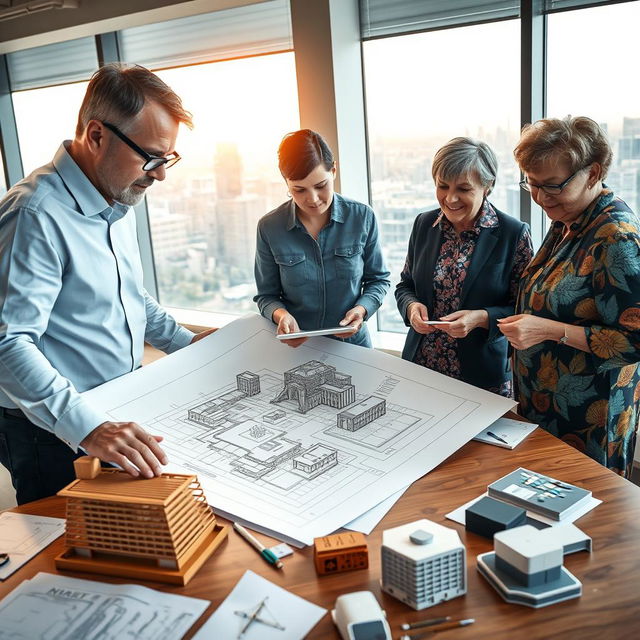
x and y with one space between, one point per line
526 567
423 563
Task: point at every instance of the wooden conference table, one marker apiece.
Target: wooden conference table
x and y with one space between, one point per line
609 607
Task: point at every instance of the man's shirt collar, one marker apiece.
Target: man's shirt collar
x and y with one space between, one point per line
90 201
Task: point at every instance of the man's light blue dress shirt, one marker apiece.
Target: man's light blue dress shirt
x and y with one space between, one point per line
73 310
318 281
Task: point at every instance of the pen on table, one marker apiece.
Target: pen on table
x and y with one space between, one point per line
268 555
4 558
424 623
441 627
493 435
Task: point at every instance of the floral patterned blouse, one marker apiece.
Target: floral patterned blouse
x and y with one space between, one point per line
438 350
590 279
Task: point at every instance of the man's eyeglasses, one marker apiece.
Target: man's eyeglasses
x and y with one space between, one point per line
151 162
550 189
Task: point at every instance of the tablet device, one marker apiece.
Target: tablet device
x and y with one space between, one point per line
329 331
437 322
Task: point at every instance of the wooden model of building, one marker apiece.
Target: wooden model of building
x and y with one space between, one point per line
345 551
155 529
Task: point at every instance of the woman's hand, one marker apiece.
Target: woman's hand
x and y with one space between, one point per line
354 318
525 330
418 315
462 322
287 324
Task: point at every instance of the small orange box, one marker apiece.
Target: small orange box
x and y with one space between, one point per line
340 552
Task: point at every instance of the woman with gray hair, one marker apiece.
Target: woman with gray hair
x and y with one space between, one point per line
462 271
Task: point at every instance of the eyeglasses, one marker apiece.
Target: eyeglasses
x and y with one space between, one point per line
550 189
151 162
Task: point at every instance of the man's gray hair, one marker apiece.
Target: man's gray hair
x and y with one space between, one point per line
117 93
463 157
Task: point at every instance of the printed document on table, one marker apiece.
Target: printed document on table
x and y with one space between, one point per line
276 606
23 536
367 522
506 433
55 606
297 441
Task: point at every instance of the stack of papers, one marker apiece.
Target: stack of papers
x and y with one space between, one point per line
23 536
54 606
506 433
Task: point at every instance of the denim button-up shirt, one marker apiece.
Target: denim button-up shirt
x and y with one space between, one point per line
318 281
73 310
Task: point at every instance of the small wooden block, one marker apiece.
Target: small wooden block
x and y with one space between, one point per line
87 467
340 552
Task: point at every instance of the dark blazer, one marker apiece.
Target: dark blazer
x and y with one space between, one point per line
483 354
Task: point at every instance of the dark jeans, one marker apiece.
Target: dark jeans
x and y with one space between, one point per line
40 464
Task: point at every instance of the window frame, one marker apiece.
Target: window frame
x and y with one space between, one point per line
334 27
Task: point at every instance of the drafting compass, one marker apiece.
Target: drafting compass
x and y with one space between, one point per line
254 616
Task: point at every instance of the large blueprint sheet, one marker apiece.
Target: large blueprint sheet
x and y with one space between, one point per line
298 441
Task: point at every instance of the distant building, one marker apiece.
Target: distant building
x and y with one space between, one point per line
363 413
228 171
315 461
248 382
630 126
314 383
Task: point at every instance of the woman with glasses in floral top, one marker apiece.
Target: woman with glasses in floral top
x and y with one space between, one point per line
462 270
318 260
577 325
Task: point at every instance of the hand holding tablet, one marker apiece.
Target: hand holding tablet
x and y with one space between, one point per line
329 331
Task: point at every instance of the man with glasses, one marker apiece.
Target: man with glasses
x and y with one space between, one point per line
73 310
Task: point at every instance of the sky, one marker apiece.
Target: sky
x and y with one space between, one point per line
469 76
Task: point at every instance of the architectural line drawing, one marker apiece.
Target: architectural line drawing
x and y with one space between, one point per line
70 609
297 441
314 383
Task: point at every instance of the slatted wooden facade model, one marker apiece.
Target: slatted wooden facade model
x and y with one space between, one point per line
153 529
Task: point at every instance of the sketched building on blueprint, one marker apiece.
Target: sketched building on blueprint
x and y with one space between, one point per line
213 413
248 382
363 413
315 460
314 383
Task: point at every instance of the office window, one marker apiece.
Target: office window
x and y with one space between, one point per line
3 183
591 71
203 217
422 90
44 118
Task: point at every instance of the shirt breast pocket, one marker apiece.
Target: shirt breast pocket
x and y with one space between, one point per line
349 262
293 269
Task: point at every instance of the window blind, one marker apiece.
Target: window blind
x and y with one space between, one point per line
550 6
59 63
259 28
395 17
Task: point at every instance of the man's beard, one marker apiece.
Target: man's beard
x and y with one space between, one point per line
130 196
